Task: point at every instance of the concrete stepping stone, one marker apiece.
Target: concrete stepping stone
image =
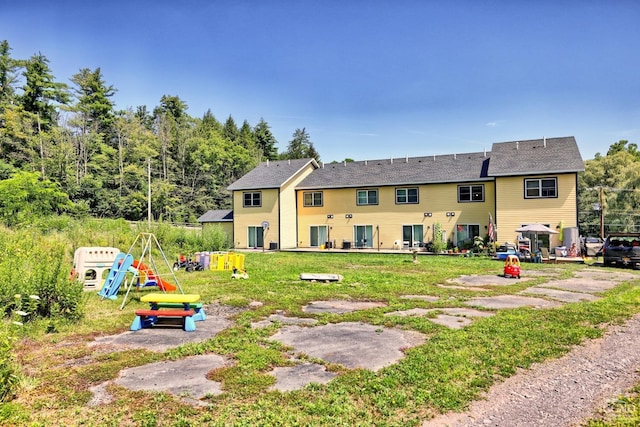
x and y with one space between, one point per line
564 296
452 317
297 377
339 306
351 344
279 318
428 298
186 378
486 280
511 301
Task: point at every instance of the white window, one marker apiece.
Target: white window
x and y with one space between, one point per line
367 197
252 199
313 198
540 188
471 193
406 195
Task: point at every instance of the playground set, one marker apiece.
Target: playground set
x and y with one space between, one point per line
91 263
150 269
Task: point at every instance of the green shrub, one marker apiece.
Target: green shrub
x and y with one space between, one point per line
8 367
35 271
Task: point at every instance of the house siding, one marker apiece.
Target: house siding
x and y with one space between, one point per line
388 218
289 210
245 217
514 210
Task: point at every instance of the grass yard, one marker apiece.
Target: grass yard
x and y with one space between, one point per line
444 374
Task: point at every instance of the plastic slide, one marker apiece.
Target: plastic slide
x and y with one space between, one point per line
151 276
116 276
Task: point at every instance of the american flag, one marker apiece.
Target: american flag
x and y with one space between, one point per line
492 231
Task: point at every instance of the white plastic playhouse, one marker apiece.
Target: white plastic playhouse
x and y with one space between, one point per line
90 265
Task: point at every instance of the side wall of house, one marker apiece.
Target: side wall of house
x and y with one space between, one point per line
513 210
246 217
289 210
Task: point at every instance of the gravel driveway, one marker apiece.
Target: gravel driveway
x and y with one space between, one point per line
562 392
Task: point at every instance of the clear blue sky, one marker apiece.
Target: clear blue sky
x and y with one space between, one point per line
368 79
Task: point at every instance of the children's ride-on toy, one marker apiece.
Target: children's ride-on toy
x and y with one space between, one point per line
512 266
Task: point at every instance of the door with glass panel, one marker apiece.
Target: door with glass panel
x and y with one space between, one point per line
318 235
256 237
363 236
412 235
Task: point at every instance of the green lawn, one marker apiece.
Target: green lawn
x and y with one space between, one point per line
444 374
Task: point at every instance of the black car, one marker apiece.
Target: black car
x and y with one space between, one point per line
622 249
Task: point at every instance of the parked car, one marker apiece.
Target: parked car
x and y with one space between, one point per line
622 249
591 245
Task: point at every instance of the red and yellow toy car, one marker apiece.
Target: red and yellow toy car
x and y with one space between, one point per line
512 266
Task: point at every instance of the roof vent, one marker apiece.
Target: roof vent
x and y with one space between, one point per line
517 145
544 142
289 161
366 162
454 157
485 151
344 162
391 160
406 159
267 162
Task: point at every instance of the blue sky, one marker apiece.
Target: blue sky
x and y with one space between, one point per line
367 79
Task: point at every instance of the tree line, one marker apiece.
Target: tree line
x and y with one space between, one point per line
610 186
86 157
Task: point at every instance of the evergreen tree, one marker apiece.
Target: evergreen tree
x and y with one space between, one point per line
94 103
230 130
301 147
8 77
265 140
41 91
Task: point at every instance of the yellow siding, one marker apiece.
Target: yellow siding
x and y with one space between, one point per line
278 208
387 218
288 212
254 216
513 210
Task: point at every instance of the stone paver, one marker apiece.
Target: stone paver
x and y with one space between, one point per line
353 345
296 377
339 306
564 296
511 301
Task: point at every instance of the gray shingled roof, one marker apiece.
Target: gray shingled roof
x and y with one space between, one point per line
270 174
537 156
540 156
400 171
220 215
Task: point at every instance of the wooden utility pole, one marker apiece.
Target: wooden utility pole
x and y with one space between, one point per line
601 214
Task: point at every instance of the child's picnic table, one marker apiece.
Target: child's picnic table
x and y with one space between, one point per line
168 305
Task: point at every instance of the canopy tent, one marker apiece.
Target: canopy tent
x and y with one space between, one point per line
536 229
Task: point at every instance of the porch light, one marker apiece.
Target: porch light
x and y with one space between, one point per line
428 214
348 216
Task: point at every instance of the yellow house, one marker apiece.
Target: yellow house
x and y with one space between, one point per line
400 202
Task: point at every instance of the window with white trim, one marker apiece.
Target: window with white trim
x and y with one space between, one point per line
540 188
406 195
471 193
252 199
312 198
366 197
